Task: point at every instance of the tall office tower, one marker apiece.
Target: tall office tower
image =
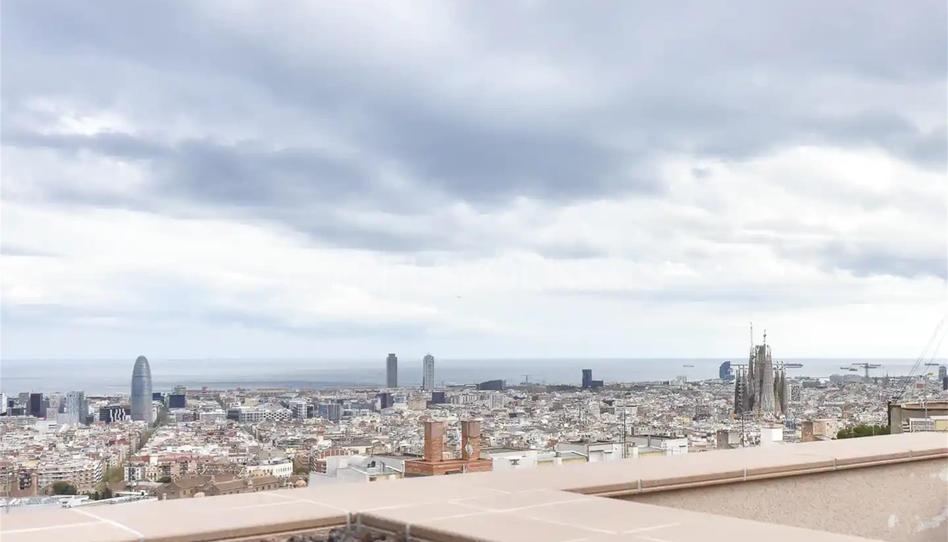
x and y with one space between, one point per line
725 372
427 373
141 391
391 371
37 405
76 408
3 403
942 372
587 378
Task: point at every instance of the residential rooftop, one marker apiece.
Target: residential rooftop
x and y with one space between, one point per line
892 487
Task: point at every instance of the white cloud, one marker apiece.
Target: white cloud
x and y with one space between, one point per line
342 181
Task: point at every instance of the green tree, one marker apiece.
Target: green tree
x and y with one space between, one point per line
863 430
114 474
64 488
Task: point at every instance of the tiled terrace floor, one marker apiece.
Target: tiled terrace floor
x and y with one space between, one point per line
555 504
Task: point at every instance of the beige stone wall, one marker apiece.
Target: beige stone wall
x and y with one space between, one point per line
901 502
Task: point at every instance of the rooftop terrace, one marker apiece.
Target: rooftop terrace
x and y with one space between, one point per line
704 496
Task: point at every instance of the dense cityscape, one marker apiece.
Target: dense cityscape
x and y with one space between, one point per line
467 271
74 449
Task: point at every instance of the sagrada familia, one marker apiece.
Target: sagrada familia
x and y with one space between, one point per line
760 389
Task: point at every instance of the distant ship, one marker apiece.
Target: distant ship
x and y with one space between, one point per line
687 365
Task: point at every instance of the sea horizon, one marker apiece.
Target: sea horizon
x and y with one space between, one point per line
112 375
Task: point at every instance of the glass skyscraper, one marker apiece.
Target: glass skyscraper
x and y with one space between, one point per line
391 371
141 391
427 373
76 408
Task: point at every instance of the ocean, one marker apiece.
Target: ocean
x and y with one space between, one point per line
111 376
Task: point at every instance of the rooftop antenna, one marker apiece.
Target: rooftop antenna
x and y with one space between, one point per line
752 334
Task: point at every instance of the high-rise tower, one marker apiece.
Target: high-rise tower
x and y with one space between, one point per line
427 373
391 371
77 408
37 405
141 391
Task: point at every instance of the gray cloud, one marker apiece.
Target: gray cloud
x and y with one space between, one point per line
866 259
731 81
8 249
412 134
760 296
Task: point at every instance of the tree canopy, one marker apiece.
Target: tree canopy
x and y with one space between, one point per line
64 488
863 430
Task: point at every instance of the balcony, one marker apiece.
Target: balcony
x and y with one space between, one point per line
891 487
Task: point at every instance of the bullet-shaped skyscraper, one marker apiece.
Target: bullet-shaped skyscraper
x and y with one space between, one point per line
427 373
141 391
391 371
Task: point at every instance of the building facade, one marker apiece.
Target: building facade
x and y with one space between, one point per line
37 405
76 408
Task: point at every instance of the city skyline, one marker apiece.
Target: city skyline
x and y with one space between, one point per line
235 233
316 179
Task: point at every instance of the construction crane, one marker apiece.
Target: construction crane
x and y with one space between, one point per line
928 354
864 365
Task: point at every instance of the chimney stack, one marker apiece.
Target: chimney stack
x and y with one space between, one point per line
806 432
470 440
434 441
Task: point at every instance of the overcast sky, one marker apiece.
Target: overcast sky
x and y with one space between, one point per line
476 179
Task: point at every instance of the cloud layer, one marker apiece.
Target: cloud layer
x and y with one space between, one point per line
477 179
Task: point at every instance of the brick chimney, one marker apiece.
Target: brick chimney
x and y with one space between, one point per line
434 441
470 440
806 432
